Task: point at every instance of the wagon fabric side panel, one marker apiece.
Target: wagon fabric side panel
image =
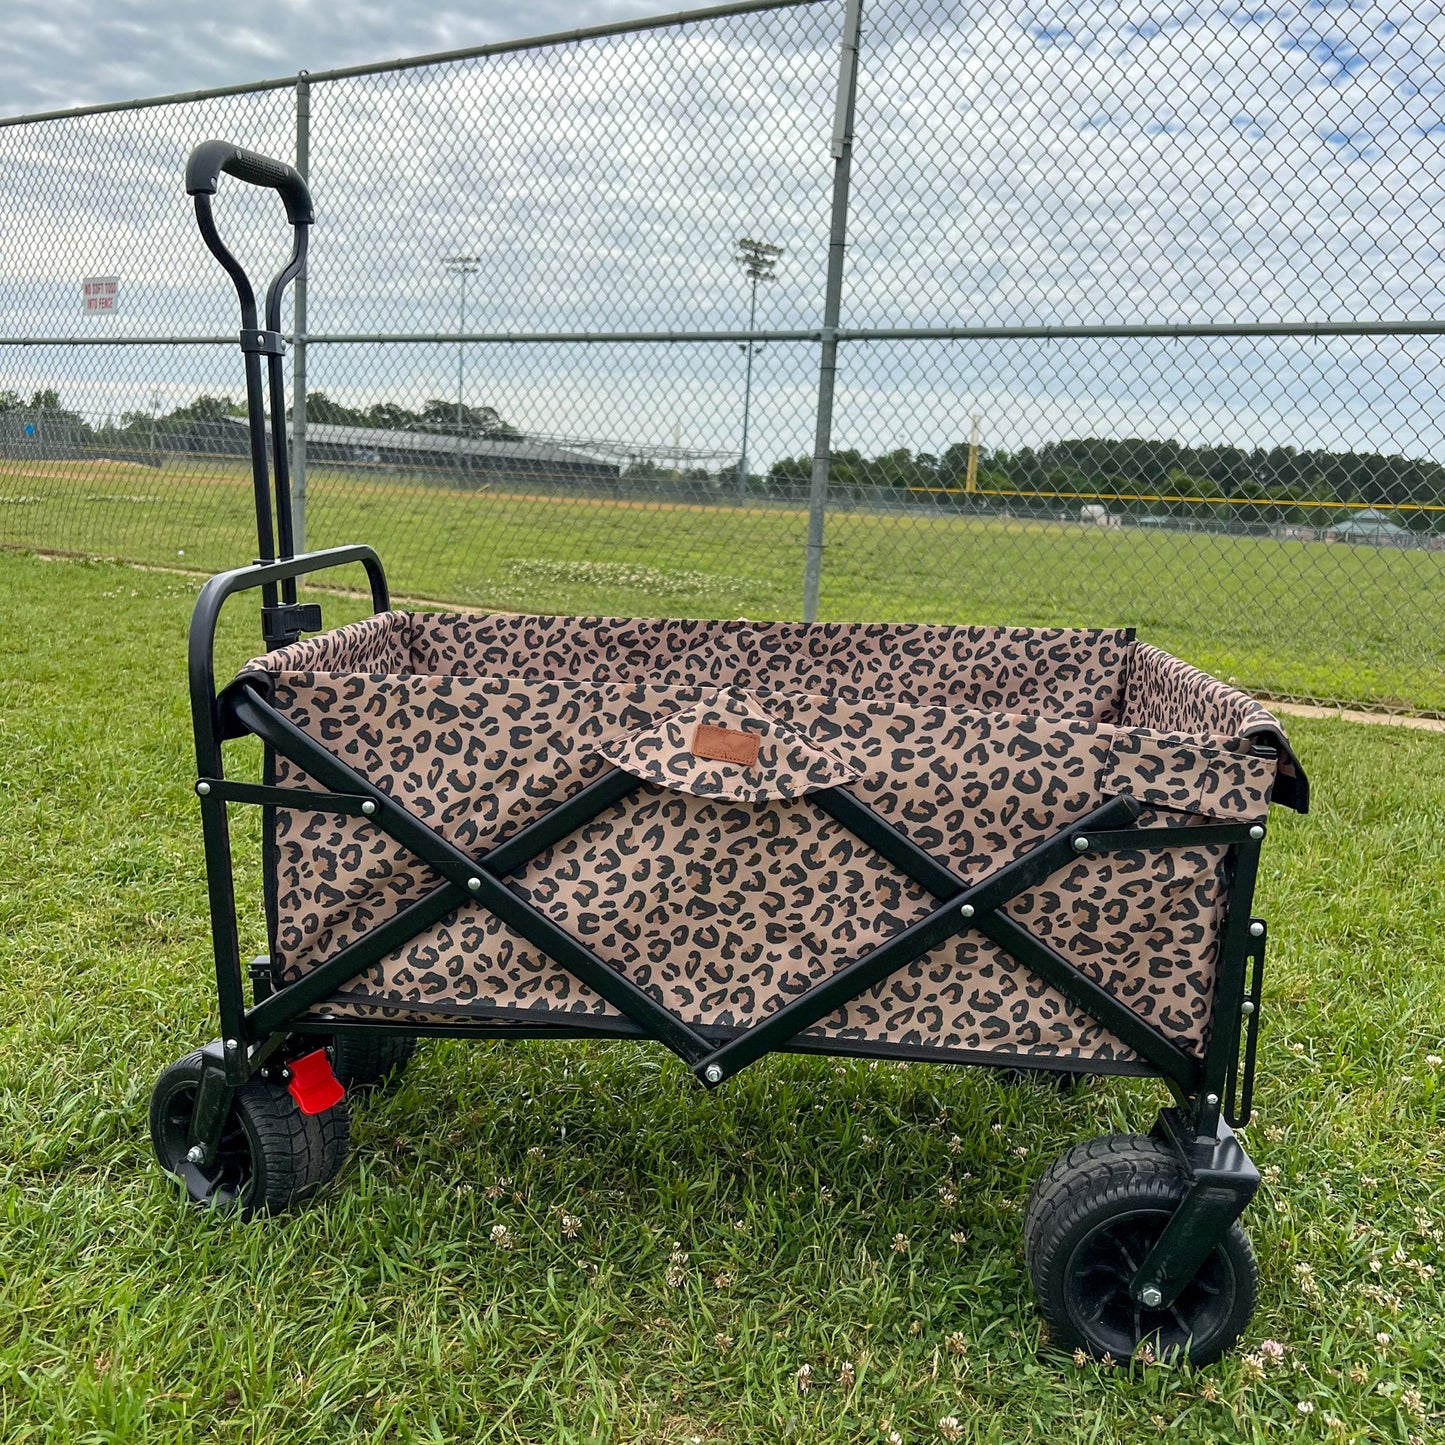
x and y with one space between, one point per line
1163 694
1067 672
722 890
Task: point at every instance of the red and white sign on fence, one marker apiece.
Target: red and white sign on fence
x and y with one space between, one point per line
100 292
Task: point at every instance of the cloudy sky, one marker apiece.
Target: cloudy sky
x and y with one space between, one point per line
1017 162
61 53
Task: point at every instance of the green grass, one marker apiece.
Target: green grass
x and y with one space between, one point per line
384 1312
1337 623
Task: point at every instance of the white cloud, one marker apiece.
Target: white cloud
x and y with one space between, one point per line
61 53
1016 164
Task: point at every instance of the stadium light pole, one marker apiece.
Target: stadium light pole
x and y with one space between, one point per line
462 266
759 260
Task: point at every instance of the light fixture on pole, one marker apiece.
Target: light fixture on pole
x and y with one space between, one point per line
462 266
759 260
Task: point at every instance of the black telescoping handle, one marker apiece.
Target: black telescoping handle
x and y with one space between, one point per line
210 158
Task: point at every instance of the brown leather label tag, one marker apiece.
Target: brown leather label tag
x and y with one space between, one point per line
725 745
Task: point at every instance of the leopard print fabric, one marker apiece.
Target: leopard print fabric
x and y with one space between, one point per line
788 765
1166 695
376 644
724 907
1066 672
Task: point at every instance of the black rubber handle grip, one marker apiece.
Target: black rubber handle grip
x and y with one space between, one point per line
210 158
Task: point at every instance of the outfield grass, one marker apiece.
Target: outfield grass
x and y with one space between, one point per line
385 1312
1344 624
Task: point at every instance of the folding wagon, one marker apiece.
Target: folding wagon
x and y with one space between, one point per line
1015 847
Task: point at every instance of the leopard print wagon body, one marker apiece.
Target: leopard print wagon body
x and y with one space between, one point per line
1028 848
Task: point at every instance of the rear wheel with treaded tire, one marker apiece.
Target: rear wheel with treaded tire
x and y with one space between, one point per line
371 1060
270 1155
1092 1218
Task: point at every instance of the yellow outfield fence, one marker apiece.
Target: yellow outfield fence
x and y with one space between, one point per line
1181 498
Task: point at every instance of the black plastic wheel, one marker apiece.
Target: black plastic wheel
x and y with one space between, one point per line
370 1060
1091 1219
270 1155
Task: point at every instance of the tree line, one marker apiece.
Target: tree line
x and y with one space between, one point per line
150 429
1142 475
1134 475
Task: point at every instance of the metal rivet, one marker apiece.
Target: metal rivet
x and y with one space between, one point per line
967 910
1256 832
1246 1008
713 1074
232 1044
475 884
1151 1297
1081 845
195 1154
1256 930
368 807
1211 1099
204 789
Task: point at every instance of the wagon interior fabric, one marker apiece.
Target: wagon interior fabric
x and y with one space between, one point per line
718 886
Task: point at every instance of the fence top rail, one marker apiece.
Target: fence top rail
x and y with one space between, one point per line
416 62
1165 331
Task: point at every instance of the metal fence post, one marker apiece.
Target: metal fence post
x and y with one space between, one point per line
842 150
298 352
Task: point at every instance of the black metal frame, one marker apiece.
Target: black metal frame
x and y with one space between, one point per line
1208 1090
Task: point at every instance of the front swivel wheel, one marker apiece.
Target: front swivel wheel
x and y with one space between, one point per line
1092 1219
270 1155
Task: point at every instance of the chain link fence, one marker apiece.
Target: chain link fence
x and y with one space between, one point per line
1082 315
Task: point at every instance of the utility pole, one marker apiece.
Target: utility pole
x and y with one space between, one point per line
462 266
759 260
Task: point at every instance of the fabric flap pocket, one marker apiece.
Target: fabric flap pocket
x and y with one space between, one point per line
729 748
